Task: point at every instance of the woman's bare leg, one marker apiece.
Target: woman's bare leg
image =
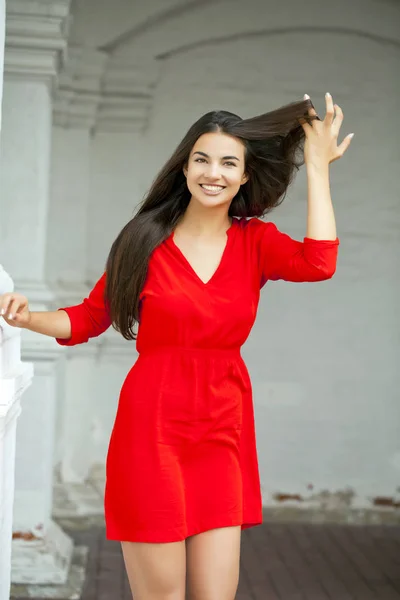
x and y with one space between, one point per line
213 564
156 571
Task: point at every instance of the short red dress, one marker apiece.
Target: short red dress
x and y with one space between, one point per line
182 457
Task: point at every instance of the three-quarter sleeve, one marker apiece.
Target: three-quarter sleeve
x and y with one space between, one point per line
88 319
282 257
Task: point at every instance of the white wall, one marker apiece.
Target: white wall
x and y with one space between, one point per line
25 133
66 257
115 174
95 187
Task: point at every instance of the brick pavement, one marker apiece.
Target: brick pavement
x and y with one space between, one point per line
279 562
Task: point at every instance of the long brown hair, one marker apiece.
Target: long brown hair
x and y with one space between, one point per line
273 152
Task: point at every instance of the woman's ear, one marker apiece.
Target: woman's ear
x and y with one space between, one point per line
185 170
245 178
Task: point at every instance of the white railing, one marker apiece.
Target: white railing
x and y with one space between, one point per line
15 377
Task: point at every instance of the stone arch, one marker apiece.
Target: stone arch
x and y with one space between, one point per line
338 31
195 24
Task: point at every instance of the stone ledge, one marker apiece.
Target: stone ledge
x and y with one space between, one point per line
292 514
71 590
41 559
55 9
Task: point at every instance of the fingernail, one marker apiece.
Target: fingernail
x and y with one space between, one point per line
327 94
2 311
306 97
351 135
10 316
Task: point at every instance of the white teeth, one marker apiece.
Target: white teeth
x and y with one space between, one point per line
212 188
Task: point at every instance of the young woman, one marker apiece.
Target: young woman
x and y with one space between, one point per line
182 472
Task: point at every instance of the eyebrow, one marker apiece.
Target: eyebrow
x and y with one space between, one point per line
223 158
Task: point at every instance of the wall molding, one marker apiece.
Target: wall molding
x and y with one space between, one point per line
36 38
99 93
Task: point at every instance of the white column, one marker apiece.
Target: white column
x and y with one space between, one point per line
2 35
92 191
25 155
66 269
35 41
15 377
68 210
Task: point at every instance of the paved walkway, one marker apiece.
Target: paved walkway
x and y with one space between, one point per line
279 562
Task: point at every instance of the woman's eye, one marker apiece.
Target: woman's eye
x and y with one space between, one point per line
202 160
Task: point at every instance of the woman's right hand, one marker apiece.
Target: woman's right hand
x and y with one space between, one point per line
14 309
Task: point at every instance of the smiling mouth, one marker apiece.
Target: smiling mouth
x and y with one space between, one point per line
212 189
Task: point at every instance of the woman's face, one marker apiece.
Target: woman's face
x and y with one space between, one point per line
216 169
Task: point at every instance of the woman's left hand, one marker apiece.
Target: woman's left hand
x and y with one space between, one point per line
321 147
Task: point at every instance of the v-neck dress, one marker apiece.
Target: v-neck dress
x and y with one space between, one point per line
182 457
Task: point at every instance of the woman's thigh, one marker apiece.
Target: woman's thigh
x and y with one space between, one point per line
212 560
156 571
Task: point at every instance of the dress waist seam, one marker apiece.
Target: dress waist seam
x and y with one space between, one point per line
192 350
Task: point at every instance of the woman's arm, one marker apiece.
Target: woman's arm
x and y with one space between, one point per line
55 324
320 150
14 308
88 319
321 223
282 257
70 325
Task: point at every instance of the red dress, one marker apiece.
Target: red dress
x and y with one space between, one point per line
182 456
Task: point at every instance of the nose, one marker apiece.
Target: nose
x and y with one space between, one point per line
212 171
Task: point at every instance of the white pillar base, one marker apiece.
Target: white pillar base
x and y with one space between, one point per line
42 561
72 588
